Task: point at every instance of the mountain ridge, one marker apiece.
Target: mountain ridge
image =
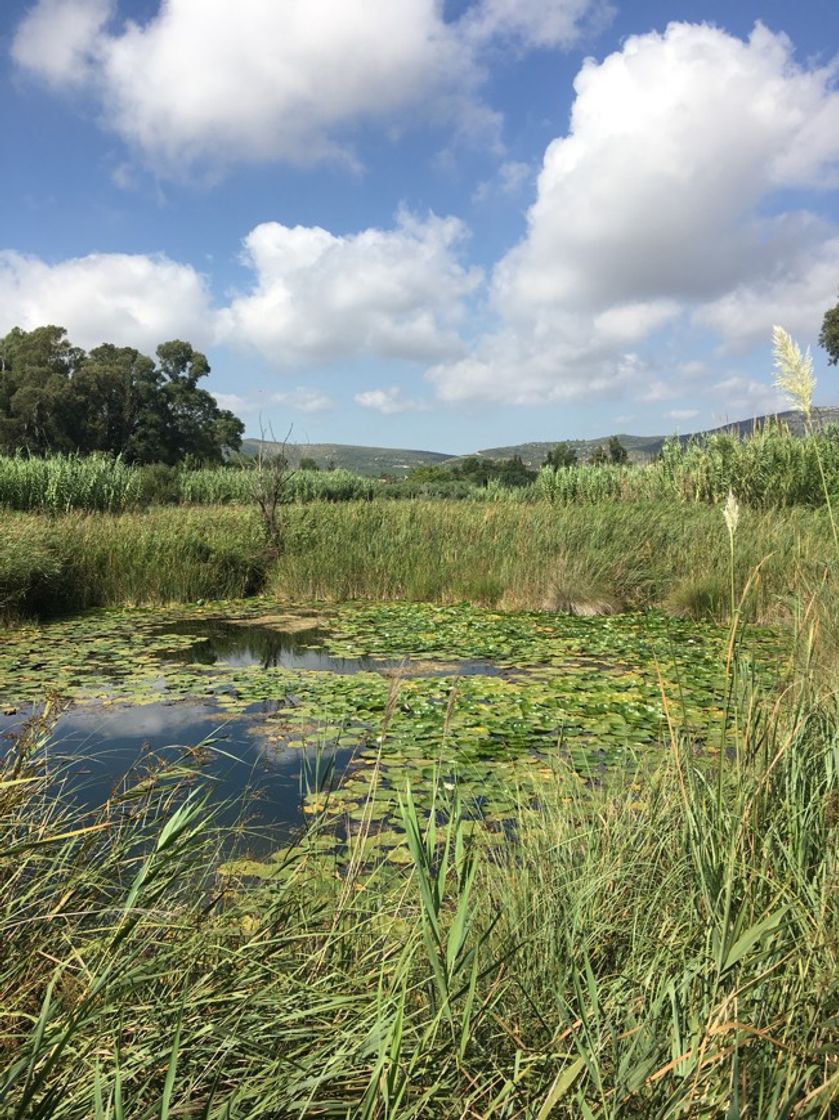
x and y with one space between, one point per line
375 461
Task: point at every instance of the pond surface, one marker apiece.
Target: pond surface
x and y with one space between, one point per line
285 703
96 752
240 645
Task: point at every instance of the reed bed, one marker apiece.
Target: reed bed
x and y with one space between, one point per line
65 482
65 563
233 486
771 469
663 946
526 555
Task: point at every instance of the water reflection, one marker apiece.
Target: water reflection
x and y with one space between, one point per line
239 645
98 750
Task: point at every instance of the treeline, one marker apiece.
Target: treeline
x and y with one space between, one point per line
480 470
771 469
55 397
477 470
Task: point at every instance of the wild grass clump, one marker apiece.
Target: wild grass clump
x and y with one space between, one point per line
510 554
662 946
81 560
541 556
225 486
65 482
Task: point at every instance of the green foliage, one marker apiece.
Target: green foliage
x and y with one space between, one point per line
212 486
655 943
613 452
617 451
770 469
561 456
829 335
476 470
578 556
166 555
56 398
64 482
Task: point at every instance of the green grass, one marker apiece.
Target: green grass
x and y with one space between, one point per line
663 947
64 482
67 563
660 946
771 469
510 554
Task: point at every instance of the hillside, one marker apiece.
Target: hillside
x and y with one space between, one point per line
375 461
368 461
642 448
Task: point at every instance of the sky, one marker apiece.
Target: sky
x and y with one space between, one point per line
447 226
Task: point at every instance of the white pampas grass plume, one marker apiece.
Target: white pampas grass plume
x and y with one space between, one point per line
793 372
731 513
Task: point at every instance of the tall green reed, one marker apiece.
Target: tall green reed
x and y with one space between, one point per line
657 945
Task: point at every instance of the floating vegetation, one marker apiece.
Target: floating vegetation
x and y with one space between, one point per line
493 705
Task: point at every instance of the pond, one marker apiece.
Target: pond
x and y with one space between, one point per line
294 714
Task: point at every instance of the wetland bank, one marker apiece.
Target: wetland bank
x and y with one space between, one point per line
403 835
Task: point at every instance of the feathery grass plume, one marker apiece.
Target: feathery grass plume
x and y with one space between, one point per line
731 513
731 516
793 372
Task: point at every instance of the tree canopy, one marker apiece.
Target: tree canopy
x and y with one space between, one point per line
613 452
55 397
561 456
829 336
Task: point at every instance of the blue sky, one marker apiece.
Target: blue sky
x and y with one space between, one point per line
442 226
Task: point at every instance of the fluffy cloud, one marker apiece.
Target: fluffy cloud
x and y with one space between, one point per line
300 399
304 400
744 396
207 79
133 300
59 40
795 294
388 401
653 206
535 23
510 180
394 294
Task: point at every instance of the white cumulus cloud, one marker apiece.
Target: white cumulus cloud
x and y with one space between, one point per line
795 294
396 294
318 297
209 80
653 208
536 23
304 400
301 399
133 300
388 401
60 39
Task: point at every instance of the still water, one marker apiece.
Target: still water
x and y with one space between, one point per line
97 749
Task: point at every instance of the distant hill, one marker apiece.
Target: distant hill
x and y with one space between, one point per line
396 462
639 448
368 461
643 448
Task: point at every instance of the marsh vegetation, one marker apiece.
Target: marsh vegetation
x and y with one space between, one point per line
523 805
